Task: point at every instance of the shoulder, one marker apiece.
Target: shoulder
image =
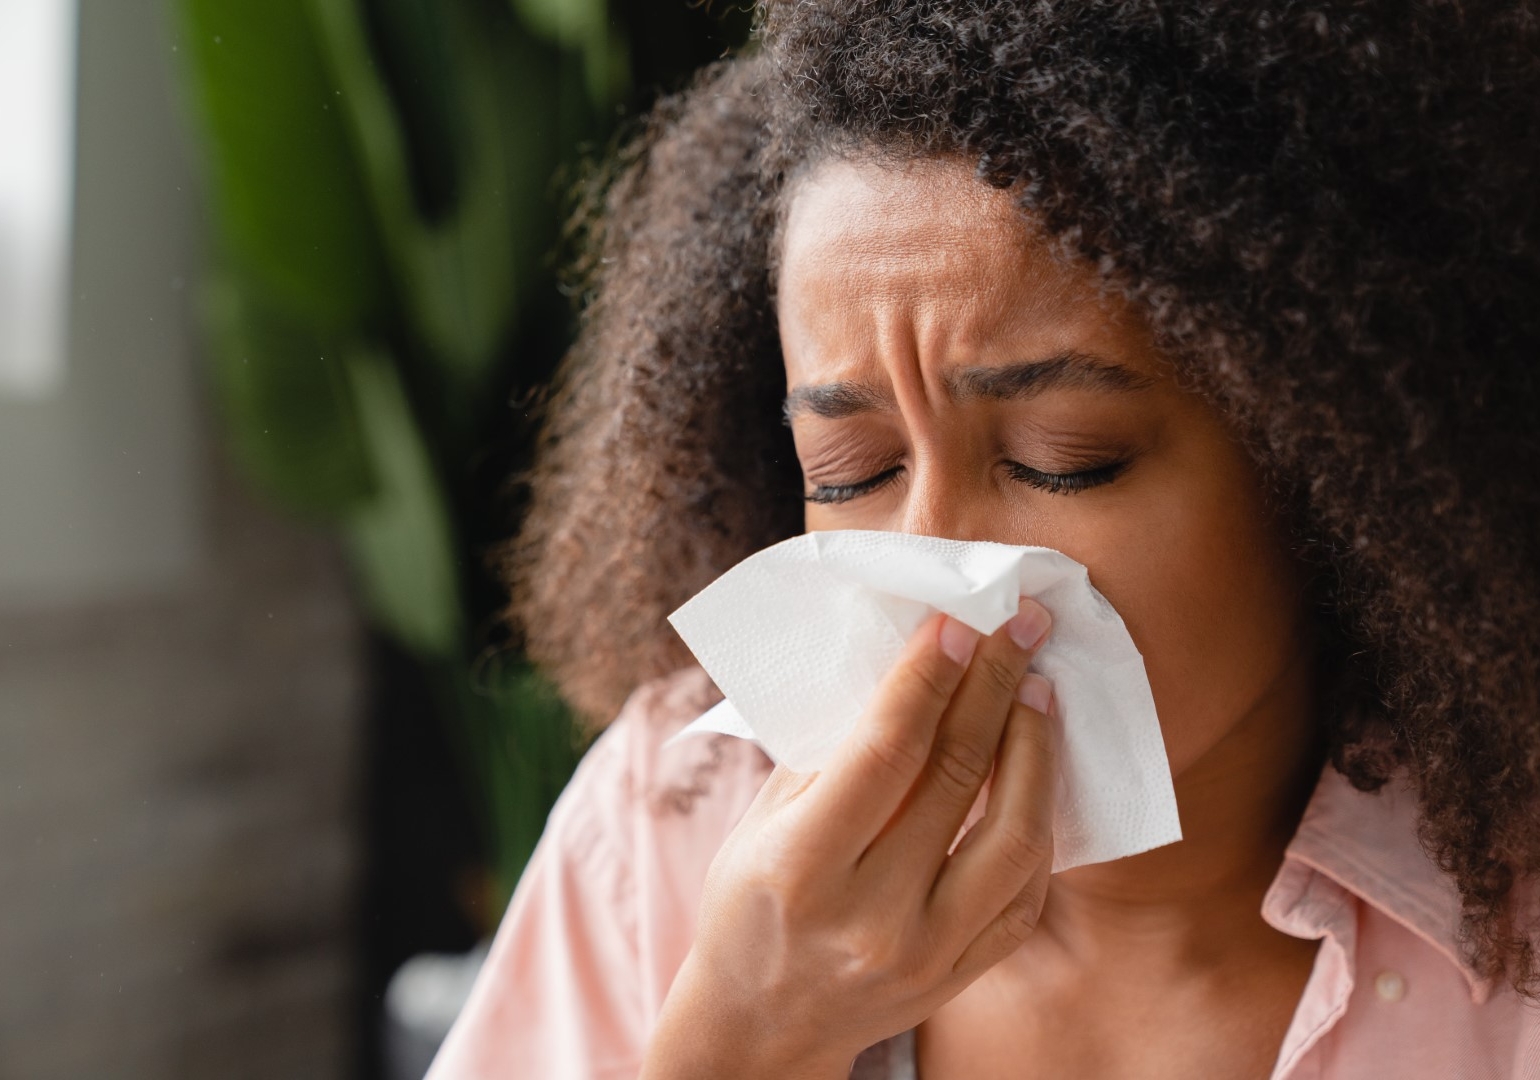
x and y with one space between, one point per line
1393 992
635 781
652 814
605 911
659 810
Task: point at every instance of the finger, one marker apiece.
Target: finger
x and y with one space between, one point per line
1011 844
873 769
967 739
1008 930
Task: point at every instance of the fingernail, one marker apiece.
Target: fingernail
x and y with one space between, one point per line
1029 626
958 640
1035 692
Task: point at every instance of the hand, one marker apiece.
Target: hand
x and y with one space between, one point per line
835 915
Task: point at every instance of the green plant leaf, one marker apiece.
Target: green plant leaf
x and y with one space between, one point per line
584 27
286 404
571 23
456 274
403 540
524 746
285 186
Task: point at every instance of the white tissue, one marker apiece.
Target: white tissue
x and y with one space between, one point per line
798 636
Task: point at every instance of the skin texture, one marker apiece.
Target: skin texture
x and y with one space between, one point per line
894 278
948 376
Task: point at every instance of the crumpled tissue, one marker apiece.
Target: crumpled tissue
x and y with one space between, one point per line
798 636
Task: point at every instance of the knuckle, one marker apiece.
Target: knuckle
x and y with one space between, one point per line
776 863
961 766
1032 734
1022 849
765 876
1019 919
1001 673
773 858
932 681
897 756
868 954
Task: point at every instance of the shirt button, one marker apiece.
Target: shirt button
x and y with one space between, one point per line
1390 986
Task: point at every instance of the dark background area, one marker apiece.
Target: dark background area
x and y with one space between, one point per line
425 888
263 736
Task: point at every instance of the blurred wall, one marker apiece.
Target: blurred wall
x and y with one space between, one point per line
99 483
180 674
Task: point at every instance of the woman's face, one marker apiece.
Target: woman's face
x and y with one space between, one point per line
947 376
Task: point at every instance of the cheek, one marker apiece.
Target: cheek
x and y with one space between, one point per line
1209 593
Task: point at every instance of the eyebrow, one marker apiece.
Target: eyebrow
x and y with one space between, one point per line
1063 371
835 401
1008 382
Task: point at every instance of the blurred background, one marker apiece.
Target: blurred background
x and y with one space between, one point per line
278 289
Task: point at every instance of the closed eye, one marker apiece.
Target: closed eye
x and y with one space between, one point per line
1069 483
825 494
1066 483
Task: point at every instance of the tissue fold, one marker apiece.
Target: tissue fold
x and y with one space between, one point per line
798 636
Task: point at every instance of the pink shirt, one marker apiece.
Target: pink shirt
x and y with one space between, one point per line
605 914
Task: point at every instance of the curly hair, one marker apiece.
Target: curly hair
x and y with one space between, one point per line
1328 213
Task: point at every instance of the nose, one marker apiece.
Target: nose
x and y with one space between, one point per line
955 504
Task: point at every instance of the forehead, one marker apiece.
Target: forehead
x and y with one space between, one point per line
922 249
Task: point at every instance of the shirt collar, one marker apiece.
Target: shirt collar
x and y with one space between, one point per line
1367 844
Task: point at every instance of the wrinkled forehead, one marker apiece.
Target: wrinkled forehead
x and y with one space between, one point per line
924 242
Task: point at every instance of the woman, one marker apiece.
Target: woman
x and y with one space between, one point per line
1235 305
